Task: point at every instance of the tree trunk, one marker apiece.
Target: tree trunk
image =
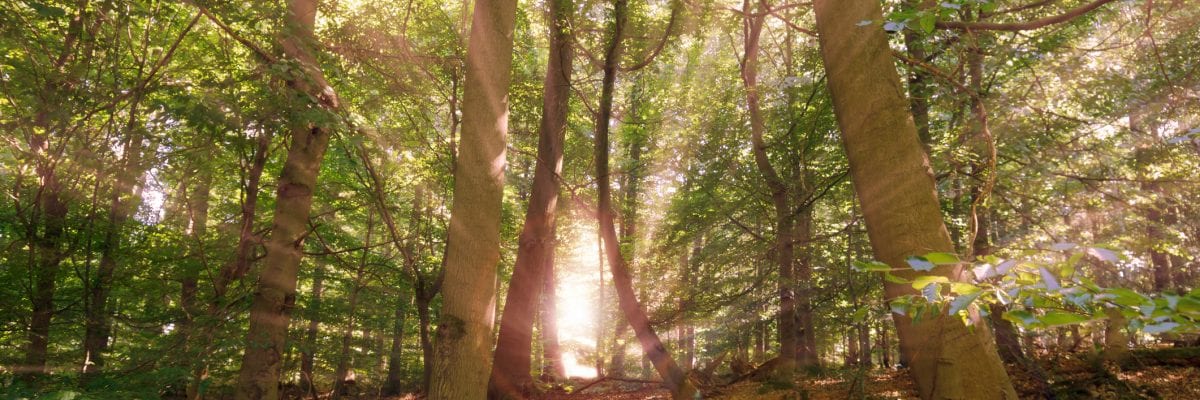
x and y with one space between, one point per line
464 337
342 376
673 377
864 345
308 354
535 254
123 202
552 367
393 386
235 269
275 294
424 321
784 225
895 187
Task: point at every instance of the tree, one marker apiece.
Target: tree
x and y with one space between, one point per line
894 184
270 312
464 332
535 254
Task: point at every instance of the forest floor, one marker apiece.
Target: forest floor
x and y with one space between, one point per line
1069 377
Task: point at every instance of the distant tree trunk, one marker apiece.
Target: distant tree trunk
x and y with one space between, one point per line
424 321
1116 341
342 376
309 349
123 202
784 224
806 335
275 295
892 178
885 347
196 229
462 359
394 384
234 270
673 377
864 345
552 367
601 303
510 376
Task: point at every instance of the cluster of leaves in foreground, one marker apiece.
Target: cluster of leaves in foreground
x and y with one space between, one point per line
1038 294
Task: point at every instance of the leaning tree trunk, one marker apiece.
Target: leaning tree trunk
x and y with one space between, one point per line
464 333
275 295
894 183
535 253
673 377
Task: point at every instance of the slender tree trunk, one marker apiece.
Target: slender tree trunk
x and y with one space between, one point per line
394 384
50 211
552 364
784 224
673 377
123 201
342 376
864 345
424 321
464 337
235 269
892 178
309 349
535 254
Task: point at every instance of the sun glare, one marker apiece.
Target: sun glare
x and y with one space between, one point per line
577 291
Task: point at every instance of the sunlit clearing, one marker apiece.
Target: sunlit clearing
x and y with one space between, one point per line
576 370
577 292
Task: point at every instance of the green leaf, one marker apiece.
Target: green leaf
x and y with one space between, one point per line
888 276
1021 317
871 266
925 280
943 258
47 11
860 314
962 302
928 21
964 288
1058 318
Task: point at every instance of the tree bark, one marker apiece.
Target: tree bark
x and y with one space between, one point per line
510 376
895 187
275 295
462 359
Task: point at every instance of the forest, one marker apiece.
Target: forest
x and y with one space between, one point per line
600 199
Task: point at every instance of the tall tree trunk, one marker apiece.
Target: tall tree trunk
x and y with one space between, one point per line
309 349
892 178
652 347
196 229
236 268
394 384
864 345
275 295
464 336
552 364
423 330
784 224
49 213
123 202
342 376
535 253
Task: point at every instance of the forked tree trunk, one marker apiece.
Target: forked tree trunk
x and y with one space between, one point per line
652 347
894 184
275 295
535 253
462 359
